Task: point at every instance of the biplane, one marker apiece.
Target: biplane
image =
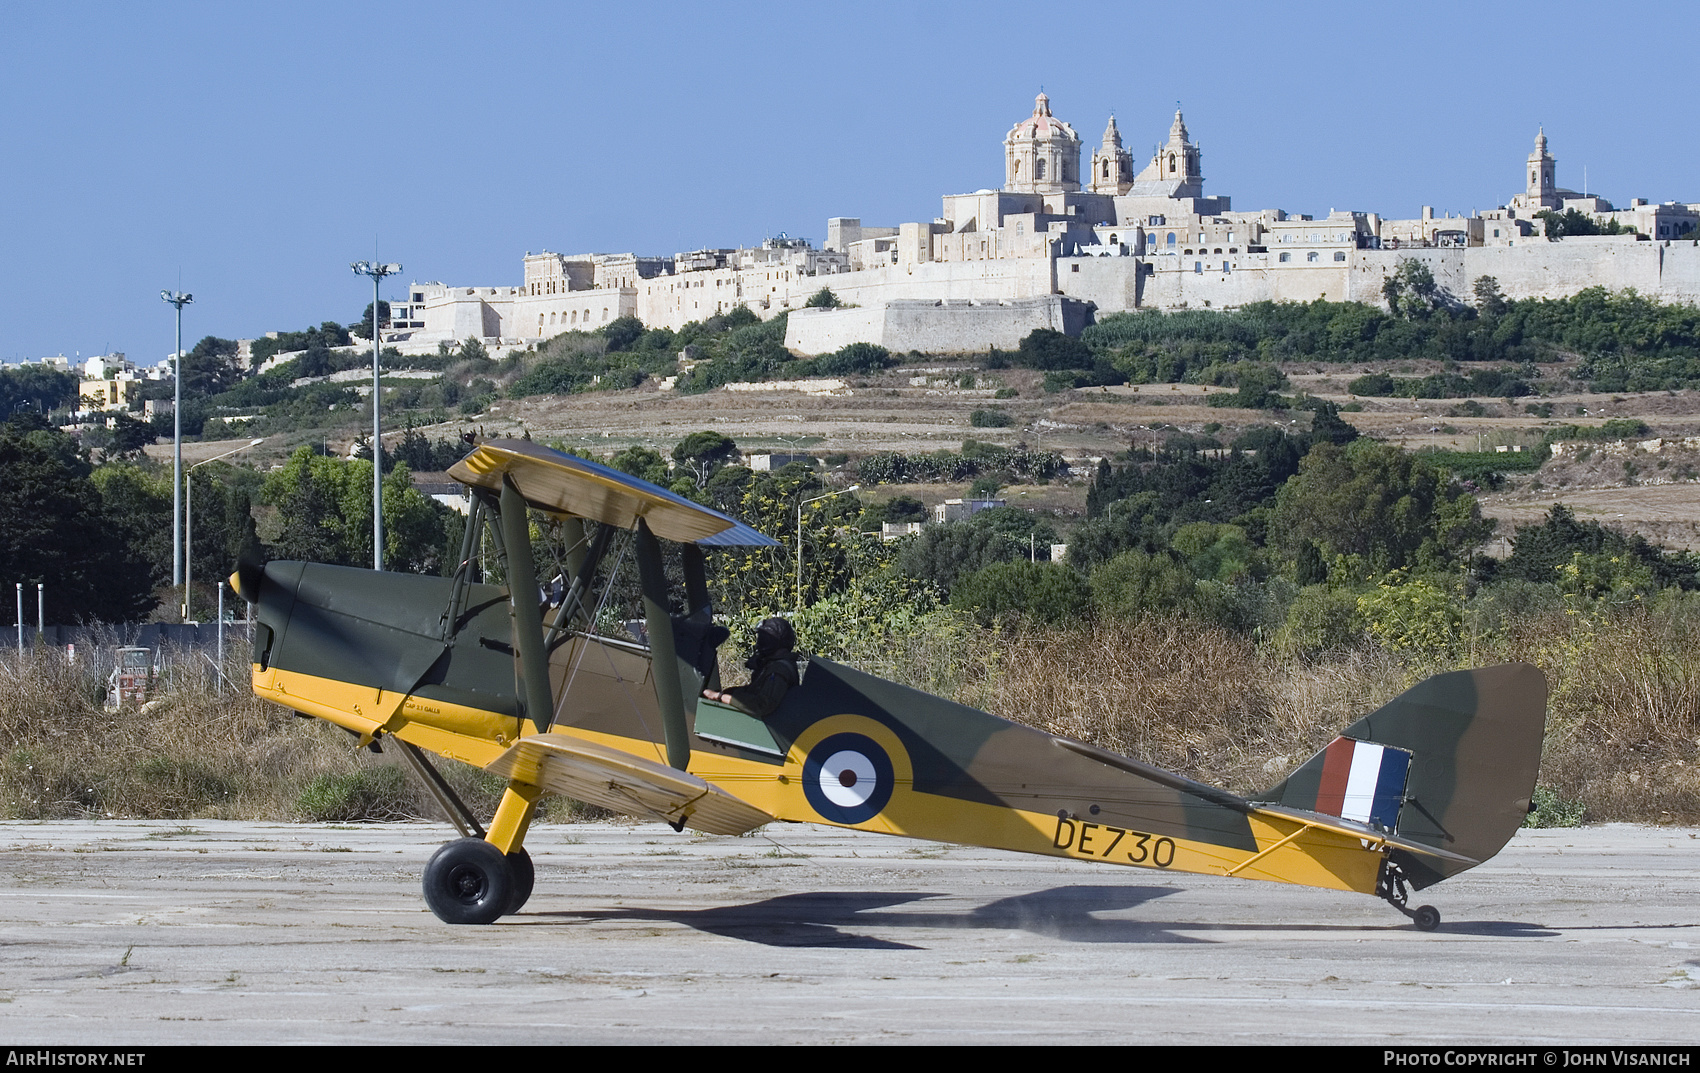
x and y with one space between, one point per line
521 683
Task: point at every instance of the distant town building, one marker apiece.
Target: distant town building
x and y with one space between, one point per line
1056 247
960 510
768 463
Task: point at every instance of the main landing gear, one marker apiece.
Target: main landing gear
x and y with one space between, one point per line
1390 887
472 880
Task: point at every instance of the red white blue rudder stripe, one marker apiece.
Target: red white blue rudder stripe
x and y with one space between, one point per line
1363 781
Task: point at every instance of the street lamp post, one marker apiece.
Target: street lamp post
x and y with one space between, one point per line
188 560
377 272
179 300
800 507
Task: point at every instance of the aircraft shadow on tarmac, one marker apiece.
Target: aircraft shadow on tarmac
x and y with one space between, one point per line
839 919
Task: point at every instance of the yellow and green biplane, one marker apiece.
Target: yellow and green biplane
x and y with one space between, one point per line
503 678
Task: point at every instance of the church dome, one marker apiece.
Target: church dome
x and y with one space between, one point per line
1042 154
1042 124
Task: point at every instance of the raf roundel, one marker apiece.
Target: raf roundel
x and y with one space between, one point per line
847 778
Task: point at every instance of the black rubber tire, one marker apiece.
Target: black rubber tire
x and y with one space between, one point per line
468 881
524 877
1426 918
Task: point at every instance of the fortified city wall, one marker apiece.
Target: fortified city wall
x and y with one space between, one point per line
939 326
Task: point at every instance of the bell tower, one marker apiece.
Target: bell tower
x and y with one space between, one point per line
1177 164
1542 189
1112 166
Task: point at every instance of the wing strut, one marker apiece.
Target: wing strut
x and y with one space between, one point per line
658 624
522 604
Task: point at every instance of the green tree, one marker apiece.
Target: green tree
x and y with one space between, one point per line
130 435
325 514
1139 583
622 332
210 368
58 532
1379 507
701 453
1051 350
1217 552
1575 222
823 299
1411 291
1490 300
940 554
363 330
645 463
136 498
36 387
1051 593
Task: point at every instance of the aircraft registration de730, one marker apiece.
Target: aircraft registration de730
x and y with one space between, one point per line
1432 783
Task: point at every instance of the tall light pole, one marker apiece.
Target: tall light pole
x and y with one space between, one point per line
189 561
377 272
179 300
800 507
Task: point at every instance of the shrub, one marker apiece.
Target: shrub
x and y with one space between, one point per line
850 358
1050 350
990 419
1041 592
1548 809
365 794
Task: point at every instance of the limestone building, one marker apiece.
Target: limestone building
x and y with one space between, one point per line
1056 246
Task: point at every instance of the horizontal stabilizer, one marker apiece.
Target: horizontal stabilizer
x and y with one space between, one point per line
1365 832
618 780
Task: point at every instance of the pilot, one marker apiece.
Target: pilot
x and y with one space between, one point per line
773 671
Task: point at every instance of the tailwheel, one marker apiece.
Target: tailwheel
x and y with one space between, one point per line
469 881
524 877
1390 887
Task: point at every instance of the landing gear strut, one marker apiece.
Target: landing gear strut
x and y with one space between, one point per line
1390 887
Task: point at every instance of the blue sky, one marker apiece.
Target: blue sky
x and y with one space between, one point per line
257 149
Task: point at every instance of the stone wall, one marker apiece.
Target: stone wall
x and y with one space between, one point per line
942 326
1536 268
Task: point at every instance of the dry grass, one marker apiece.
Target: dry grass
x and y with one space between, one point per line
190 752
1194 699
1625 714
1621 732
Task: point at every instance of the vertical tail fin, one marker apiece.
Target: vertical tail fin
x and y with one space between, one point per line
1449 763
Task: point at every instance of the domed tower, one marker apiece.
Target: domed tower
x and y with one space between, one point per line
1042 154
1112 166
1542 189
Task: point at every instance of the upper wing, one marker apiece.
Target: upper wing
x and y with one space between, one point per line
564 484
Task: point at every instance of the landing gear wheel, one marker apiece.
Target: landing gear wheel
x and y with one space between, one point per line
469 881
1390 887
524 877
